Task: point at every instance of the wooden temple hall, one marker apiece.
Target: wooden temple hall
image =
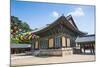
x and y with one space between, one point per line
86 42
57 38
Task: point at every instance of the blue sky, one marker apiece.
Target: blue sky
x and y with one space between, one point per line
39 14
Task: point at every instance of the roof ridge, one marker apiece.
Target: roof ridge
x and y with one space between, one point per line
88 35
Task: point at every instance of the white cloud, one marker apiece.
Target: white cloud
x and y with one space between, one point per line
77 12
55 14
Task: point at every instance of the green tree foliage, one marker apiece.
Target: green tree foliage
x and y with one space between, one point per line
17 28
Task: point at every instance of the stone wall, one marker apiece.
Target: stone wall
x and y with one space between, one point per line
48 52
67 51
54 52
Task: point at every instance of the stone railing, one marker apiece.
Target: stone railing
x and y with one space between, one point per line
48 52
54 52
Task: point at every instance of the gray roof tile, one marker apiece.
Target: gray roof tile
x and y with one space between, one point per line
20 45
87 38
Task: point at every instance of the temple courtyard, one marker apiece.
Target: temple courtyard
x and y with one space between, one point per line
20 60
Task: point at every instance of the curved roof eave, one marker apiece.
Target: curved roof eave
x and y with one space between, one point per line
66 22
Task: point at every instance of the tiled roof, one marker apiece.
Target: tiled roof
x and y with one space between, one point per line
20 45
86 38
68 24
70 19
38 29
72 26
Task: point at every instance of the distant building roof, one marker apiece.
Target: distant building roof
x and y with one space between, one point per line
20 45
86 38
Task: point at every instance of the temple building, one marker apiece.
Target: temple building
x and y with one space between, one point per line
86 42
20 48
57 38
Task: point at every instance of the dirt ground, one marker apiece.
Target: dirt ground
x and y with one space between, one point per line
31 60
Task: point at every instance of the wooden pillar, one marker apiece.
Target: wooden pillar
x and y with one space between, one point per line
90 47
36 45
68 42
77 44
84 46
63 41
33 45
51 43
15 50
93 48
80 47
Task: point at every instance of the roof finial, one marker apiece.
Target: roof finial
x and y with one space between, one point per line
62 14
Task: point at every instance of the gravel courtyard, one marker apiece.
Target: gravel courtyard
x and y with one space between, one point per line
31 60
